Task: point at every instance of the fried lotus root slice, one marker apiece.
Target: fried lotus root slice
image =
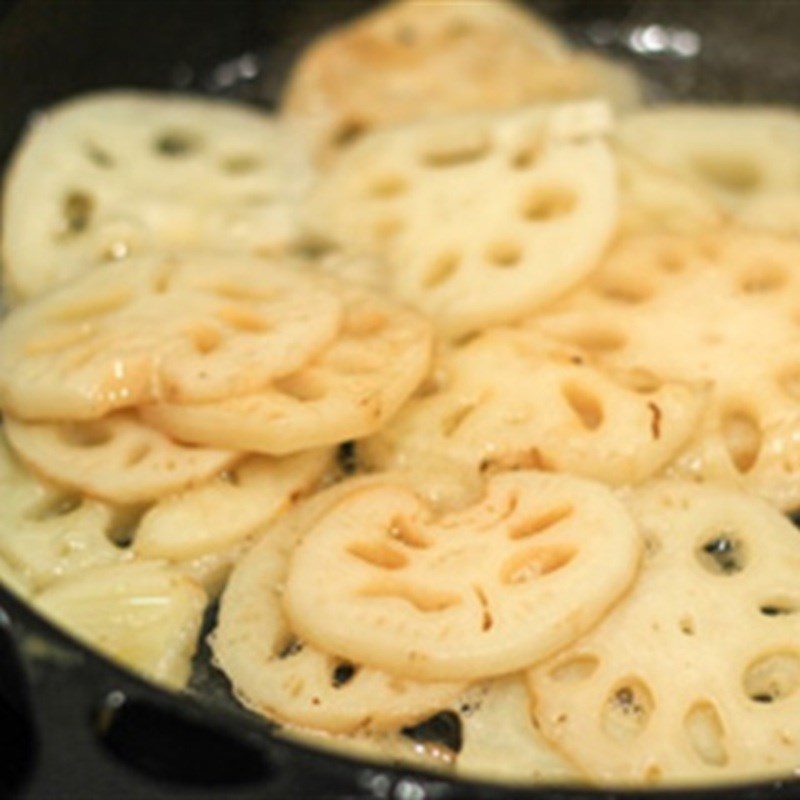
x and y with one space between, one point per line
438 58
478 592
349 391
654 199
187 328
112 175
117 458
47 533
283 678
481 218
747 157
742 341
228 509
694 676
513 398
143 614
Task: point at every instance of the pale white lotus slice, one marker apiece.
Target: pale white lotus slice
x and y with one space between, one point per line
350 390
718 309
143 614
117 458
500 740
411 60
189 328
106 176
276 675
482 218
655 199
747 156
47 533
229 509
514 398
695 676
478 592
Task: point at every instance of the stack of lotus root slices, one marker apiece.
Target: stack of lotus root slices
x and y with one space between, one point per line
466 385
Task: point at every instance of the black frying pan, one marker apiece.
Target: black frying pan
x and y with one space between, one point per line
73 725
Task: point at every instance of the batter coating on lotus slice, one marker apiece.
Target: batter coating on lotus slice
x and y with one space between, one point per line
144 614
411 60
719 310
474 593
514 398
117 458
350 390
112 175
746 157
693 677
189 328
275 674
416 196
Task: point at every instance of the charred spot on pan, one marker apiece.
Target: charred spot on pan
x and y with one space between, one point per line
347 458
343 673
443 728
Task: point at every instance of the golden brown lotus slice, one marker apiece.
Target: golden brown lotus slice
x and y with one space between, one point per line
482 591
694 676
350 390
143 614
414 59
108 176
276 674
747 157
513 398
720 310
481 218
117 458
190 328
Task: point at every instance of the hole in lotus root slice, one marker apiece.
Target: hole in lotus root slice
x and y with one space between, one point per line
423 598
378 555
742 435
455 145
585 404
99 156
77 209
307 386
85 434
597 340
538 523
54 506
722 553
779 606
443 728
772 677
348 132
627 292
728 171
442 268
575 669
503 254
706 733
763 278
536 562
547 203
686 625
387 185
627 710
176 143
285 677
241 163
